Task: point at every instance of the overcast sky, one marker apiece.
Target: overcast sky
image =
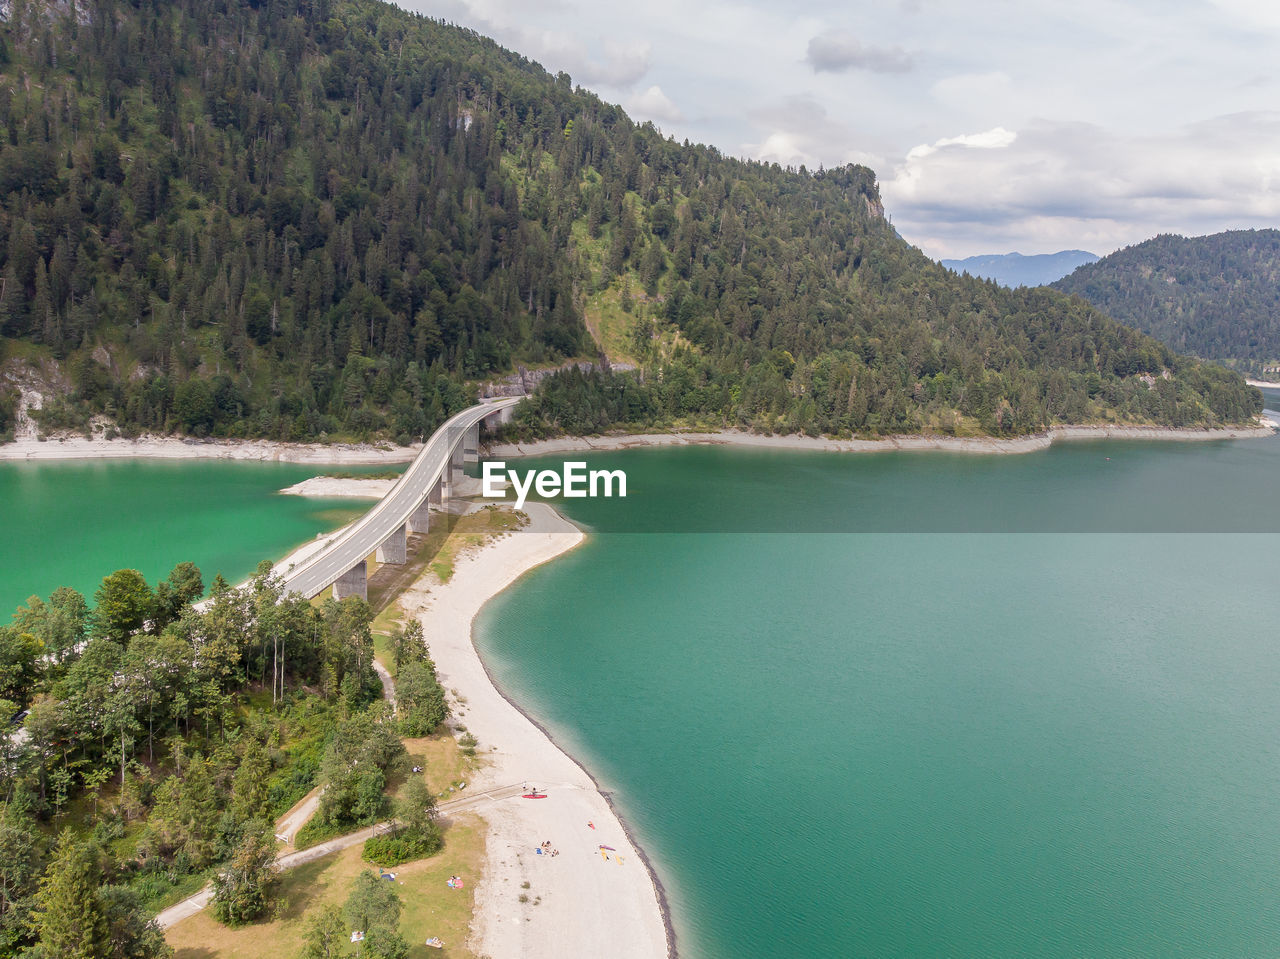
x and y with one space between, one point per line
993 125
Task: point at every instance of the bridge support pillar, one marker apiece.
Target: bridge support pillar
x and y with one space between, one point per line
500 417
393 549
455 469
420 518
471 444
435 497
354 582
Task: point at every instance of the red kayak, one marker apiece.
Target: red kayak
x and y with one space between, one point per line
534 796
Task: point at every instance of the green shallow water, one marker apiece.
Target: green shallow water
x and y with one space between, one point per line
71 523
985 727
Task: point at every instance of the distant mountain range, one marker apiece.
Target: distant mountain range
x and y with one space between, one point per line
1014 269
1216 297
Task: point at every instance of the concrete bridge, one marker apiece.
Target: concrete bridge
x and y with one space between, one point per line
431 479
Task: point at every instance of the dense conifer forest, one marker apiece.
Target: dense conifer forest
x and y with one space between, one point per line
332 218
1213 296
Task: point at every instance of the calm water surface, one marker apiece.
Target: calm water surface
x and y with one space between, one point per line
898 705
1028 706
71 523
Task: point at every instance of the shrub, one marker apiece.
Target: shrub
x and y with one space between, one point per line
392 849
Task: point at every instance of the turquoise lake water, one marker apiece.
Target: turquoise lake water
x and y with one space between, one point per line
988 726
898 705
71 523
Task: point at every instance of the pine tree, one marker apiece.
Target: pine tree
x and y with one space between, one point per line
69 919
19 872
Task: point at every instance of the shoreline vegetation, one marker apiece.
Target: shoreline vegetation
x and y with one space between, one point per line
162 447
580 895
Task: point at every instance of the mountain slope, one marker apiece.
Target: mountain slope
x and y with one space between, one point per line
1214 296
1014 269
321 219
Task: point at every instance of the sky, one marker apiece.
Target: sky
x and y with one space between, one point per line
993 126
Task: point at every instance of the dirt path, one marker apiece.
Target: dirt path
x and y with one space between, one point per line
288 825
193 904
388 684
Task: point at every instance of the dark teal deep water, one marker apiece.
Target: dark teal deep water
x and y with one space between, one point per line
987 727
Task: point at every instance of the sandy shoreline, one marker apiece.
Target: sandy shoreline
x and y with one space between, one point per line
983 444
168 447
363 454
585 899
349 487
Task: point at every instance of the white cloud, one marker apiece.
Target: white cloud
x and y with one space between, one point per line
994 139
1059 185
783 148
794 131
966 91
654 105
592 58
839 50
1257 14
619 65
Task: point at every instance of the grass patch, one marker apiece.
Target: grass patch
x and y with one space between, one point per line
388 582
157 891
613 326
443 568
472 531
443 764
430 908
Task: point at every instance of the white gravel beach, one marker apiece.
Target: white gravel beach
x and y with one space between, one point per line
169 447
593 902
953 444
342 487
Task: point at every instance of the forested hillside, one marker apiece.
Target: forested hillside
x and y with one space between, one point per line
1213 296
327 218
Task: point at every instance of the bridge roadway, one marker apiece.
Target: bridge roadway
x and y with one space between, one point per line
388 518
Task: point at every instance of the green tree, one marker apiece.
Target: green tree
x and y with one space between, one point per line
416 808
326 936
131 932
250 787
69 920
180 589
59 624
374 909
354 767
194 407
183 823
121 605
407 644
420 699
242 891
20 864
416 833
19 665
